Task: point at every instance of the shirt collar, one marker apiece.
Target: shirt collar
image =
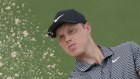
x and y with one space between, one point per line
106 51
82 66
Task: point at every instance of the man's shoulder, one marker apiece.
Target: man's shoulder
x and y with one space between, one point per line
125 45
125 48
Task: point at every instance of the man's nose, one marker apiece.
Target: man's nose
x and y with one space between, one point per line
67 38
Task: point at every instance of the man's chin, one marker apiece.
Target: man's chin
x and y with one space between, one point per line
75 54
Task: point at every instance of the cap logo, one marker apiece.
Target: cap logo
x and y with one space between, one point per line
58 18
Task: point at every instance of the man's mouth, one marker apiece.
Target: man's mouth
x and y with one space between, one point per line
72 47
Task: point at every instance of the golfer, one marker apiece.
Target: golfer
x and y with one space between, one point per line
92 61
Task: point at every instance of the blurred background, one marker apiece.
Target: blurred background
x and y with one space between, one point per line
26 51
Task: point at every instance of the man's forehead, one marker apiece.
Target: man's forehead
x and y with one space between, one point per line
63 28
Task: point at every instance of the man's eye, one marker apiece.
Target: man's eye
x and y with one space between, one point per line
60 37
72 31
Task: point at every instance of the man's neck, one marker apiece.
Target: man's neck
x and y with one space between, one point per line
93 55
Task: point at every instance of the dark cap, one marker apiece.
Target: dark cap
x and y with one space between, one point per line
65 16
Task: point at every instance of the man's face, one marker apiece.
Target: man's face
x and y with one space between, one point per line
73 38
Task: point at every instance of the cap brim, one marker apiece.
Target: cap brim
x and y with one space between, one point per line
52 29
54 26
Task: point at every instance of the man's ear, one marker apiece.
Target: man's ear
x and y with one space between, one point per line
88 27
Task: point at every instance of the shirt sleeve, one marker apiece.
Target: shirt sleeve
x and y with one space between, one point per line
136 53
